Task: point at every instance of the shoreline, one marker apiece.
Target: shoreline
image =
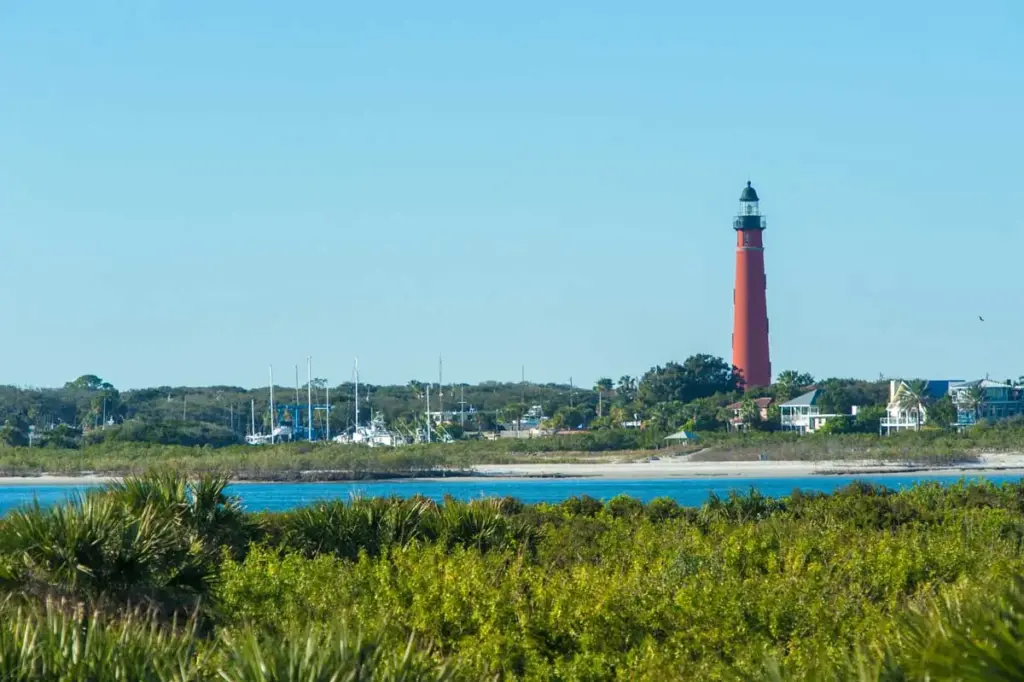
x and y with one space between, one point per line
668 468
682 468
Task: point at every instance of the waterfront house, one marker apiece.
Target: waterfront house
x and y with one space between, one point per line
986 400
803 413
907 412
738 423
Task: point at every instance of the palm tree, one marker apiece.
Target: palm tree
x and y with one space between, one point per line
515 412
974 400
627 387
750 413
911 399
602 386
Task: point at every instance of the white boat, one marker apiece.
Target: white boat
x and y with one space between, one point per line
374 435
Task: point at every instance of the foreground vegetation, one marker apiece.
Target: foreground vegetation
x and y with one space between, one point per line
159 579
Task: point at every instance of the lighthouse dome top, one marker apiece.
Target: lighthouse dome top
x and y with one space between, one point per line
748 193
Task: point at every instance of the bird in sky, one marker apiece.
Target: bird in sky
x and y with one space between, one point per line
981 318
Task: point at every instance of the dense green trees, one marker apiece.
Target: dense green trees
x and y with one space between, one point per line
700 376
692 394
942 412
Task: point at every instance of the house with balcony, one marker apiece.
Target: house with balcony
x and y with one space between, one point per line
738 421
986 400
803 413
908 412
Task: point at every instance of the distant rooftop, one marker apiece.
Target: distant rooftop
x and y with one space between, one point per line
806 400
760 402
980 383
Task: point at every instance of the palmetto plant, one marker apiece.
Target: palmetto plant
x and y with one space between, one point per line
201 507
331 654
85 548
376 525
51 643
97 550
371 525
48 642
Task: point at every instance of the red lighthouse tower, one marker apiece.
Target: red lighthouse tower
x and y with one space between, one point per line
750 321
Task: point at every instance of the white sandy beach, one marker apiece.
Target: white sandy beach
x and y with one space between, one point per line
681 467
48 479
665 467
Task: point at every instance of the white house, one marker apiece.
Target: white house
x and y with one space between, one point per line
903 416
803 414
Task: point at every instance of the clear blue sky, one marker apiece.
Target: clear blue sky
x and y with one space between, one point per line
190 191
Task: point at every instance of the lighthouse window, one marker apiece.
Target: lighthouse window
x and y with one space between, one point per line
746 239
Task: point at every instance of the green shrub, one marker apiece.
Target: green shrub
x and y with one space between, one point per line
623 506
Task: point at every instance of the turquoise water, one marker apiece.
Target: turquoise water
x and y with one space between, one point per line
689 492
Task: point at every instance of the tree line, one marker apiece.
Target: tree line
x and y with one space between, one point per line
695 394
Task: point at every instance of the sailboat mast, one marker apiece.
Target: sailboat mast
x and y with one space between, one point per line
271 403
328 401
428 412
440 387
309 395
252 406
357 392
